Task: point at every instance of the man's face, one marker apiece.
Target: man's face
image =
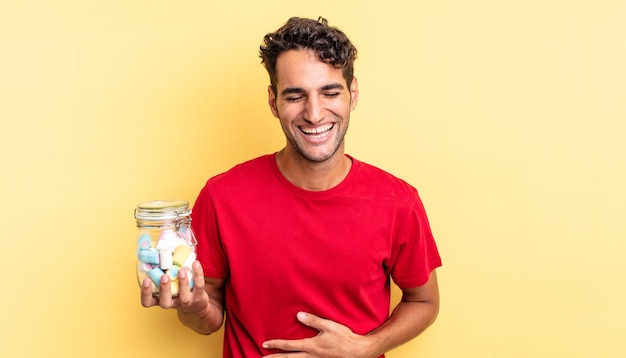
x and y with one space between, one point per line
313 104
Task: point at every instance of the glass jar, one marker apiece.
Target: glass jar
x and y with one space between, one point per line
165 242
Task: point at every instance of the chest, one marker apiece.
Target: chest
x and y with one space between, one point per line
336 239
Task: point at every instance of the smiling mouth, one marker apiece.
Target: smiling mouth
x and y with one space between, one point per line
317 131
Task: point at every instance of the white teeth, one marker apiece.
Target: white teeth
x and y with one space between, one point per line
316 130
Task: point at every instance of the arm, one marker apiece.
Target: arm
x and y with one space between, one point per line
200 309
417 310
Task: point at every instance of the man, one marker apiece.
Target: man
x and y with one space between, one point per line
297 248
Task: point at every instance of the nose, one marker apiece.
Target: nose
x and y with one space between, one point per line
313 110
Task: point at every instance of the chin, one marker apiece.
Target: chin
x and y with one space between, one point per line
320 157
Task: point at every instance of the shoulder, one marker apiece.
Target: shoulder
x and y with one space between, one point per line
243 170
238 177
381 180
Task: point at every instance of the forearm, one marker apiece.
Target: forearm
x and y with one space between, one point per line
407 321
417 310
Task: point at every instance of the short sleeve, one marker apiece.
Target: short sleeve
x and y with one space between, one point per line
206 229
414 250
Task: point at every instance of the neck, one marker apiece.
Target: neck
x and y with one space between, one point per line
313 176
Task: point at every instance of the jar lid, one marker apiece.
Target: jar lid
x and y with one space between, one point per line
158 210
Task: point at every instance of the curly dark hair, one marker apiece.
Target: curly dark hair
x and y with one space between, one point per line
330 43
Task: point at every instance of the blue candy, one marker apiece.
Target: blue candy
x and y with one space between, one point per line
149 256
155 275
144 241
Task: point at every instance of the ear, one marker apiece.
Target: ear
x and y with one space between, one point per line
271 100
354 93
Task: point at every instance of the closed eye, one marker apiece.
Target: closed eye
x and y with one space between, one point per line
293 98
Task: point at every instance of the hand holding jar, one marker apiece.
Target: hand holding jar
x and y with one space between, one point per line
165 242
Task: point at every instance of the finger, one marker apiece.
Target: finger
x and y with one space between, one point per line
313 321
147 298
165 293
285 345
198 276
184 291
285 355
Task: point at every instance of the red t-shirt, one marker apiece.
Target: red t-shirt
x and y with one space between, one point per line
331 253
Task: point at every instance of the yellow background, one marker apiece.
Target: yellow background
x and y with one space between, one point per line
508 116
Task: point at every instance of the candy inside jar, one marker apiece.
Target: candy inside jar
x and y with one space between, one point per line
165 242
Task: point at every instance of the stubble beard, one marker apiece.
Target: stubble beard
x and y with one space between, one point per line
320 158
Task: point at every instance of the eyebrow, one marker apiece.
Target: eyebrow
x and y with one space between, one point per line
291 90
332 86
328 87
